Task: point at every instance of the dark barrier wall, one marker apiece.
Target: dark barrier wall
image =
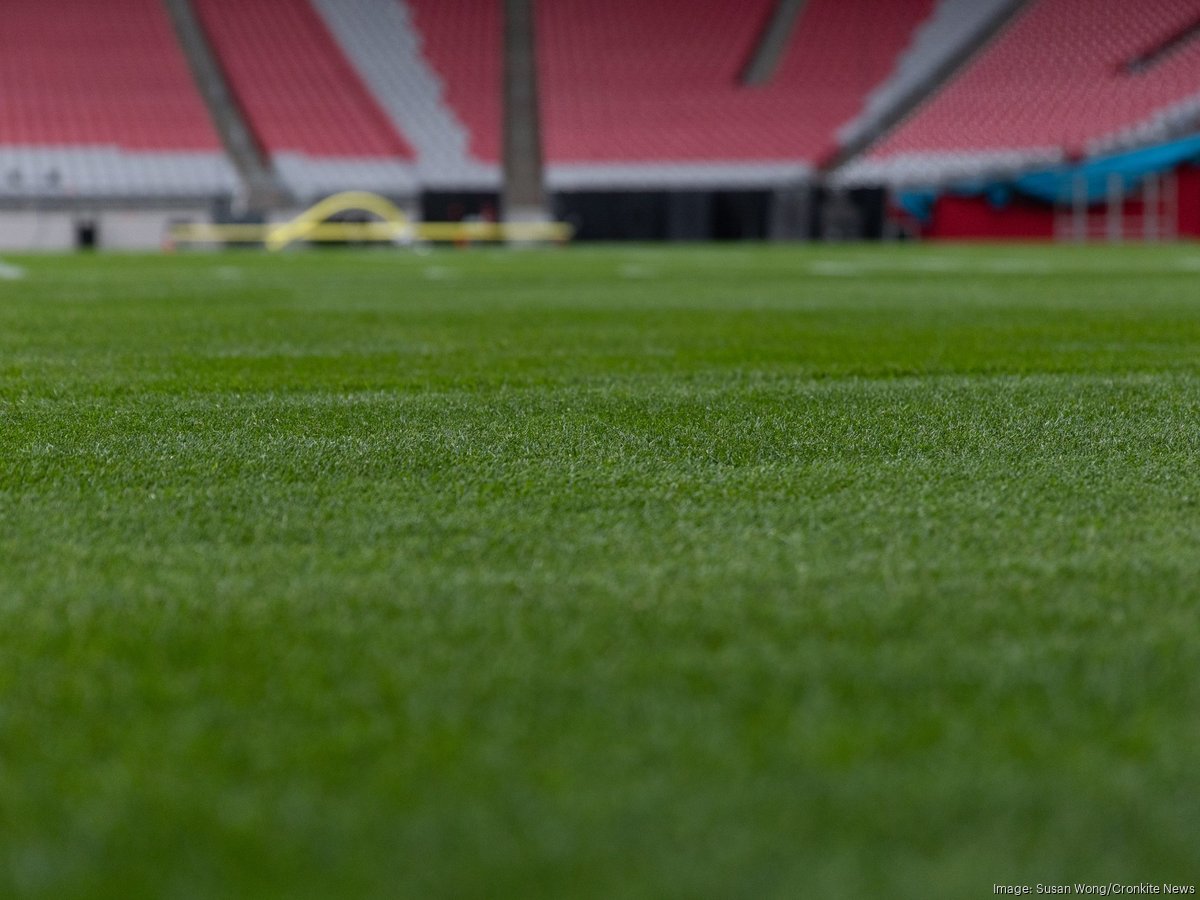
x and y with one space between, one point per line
666 215
789 214
454 206
1023 218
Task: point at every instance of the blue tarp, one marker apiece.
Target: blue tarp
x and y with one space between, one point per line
1059 184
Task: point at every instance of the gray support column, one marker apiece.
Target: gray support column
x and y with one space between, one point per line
524 185
773 42
1170 226
1116 208
1151 208
1079 209
263 188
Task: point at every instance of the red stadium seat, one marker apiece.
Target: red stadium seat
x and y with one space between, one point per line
1056 80
293 83
629 81
68 78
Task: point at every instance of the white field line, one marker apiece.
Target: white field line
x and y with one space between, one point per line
932 265
9 272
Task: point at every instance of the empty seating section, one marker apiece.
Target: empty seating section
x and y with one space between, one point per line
97 98
1054 81
82 115
462 40
298 92
630 80
953 26
68 78
379 39
842 51
626 81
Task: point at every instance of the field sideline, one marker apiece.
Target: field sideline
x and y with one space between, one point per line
599 572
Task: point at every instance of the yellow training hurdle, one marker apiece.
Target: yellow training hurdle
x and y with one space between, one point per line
393 227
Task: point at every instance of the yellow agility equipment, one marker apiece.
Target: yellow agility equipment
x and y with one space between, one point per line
393 227
349 201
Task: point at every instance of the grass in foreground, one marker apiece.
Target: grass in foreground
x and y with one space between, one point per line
599 573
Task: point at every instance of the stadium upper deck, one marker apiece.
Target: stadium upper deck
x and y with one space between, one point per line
303 100
82 114
404 95
1068 77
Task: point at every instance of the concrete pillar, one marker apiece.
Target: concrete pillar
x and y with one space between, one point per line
524 190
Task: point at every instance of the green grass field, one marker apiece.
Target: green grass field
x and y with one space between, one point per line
697 572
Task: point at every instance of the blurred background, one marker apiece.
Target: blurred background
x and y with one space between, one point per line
1072 120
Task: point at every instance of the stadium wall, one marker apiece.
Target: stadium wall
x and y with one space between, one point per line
978 218
86 228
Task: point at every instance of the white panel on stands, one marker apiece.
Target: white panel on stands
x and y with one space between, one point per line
112 172
384 45
674 176
935 168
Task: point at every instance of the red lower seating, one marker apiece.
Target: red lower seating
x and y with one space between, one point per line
630 81
462 40
1058 79
298 92
68 78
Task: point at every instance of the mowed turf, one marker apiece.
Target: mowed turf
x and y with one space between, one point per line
698 572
